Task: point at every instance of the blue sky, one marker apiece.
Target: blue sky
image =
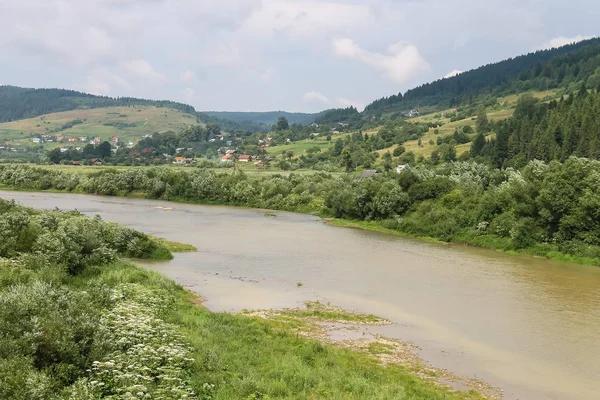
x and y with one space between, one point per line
258 55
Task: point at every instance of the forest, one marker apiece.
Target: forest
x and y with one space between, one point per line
565 67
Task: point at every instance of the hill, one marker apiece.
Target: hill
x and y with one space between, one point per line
128 123
568 67
18 103
268 118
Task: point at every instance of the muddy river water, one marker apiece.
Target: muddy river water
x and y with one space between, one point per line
528 325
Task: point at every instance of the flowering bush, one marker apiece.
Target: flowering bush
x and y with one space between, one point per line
150 357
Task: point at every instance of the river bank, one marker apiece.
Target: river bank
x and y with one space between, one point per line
81 322
484 242
470 311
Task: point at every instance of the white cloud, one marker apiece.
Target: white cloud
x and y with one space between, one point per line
189 93
99 82
402 62
267 75
452 73
187 76
305 18
562 41
347 103
315 96
142 69
95 86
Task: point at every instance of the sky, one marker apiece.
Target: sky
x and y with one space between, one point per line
260 55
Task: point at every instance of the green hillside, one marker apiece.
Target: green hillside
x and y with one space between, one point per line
127 123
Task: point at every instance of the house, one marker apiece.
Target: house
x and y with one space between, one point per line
412 113
83 139
147 150
368 173
179 150
229 142
130 143
402 168
314 134
72 139
212 140
63 149
134 153
230 152
227 157
36 140
96 161
245 158
76 163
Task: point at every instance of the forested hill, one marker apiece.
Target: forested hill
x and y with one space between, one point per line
18 103
268 118
567 67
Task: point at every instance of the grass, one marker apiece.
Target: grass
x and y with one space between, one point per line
242 357
143 120
380 348
325 312
175 247
300 147
447 129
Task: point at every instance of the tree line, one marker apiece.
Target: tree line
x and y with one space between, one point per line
546 209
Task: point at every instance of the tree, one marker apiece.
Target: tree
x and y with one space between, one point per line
104 149
478 145
387 161
338 147
347 160
282 124
448 152
398 151
54 155
482 124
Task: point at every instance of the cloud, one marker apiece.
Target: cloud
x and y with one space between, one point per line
189 93
562 41
345 103
95 86
402 62
100 81
267 75
187 76
452 73
142 69
314 96
305 18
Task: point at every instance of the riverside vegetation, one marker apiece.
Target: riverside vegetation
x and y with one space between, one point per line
543 209
80 322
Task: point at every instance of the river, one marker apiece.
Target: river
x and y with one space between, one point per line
527 325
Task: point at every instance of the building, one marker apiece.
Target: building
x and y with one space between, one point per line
147 150
227 157
36 140
402 168
72 139
245 158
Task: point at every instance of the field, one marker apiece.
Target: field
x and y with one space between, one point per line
300 147
447 129
128 123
